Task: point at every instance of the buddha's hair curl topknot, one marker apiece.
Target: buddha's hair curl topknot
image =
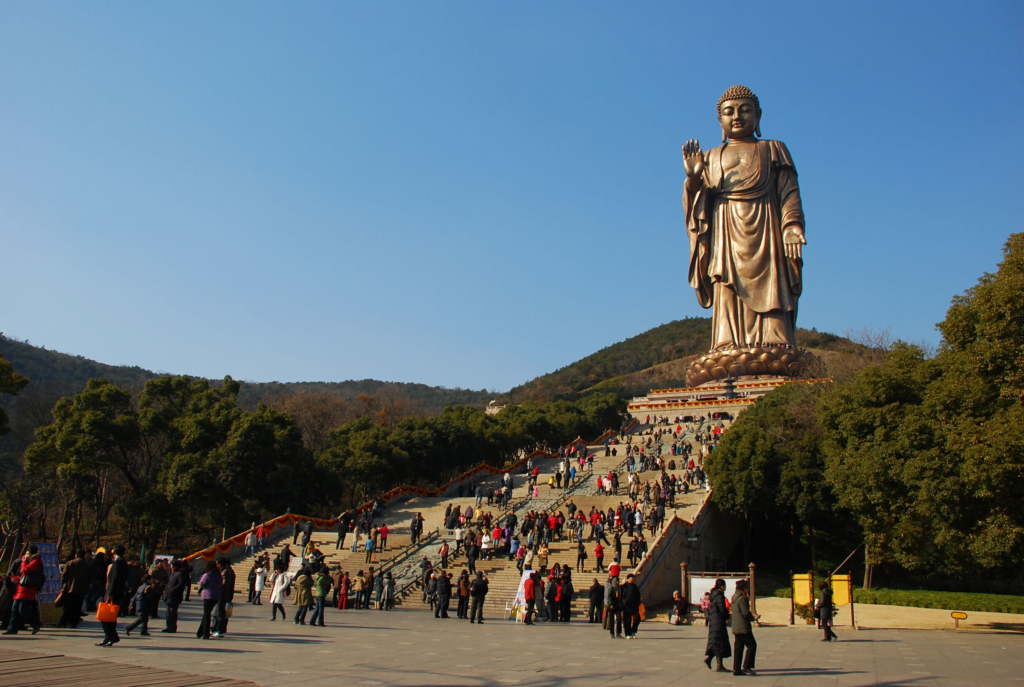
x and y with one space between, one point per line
736 92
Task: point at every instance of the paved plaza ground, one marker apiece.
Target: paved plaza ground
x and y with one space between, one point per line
406 647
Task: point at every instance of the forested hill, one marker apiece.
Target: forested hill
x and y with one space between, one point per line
655 359
66 374
53 374
672 341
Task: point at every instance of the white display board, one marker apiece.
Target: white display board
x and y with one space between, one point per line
701 584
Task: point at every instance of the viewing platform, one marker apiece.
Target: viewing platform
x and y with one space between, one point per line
716 397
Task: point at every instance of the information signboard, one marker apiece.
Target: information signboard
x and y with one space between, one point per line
701 583
51 568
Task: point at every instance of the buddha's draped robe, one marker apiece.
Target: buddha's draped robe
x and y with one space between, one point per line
735 222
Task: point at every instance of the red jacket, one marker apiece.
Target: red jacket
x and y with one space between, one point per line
28 593
529 589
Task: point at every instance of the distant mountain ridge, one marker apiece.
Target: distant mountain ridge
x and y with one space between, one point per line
62 374
656 358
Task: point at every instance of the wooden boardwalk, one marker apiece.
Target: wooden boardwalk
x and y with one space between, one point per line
20 668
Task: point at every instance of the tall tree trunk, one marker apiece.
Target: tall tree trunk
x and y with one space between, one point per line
792 540
76 540
814 549
63 530
747 540
42 522
867 567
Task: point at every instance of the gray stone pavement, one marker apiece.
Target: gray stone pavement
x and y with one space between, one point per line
412 648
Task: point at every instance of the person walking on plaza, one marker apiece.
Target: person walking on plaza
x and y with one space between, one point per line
25 610
596 596
718 633
550 599
613 607
530 595
462 611
444 595
173 594
145 601
742 631
384 536
227 596
210 585
74 586
367 588
303 595
278 591
478 591
631 607
117 579
825 613
564 600
261 582
389 591
321 586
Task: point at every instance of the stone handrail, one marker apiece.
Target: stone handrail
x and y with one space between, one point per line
227 547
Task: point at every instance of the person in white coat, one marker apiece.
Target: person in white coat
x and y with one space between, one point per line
278 591
261 581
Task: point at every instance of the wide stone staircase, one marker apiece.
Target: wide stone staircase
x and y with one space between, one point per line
402 559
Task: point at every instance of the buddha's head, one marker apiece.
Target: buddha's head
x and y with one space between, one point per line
739 113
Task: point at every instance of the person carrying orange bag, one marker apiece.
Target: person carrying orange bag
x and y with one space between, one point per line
117 579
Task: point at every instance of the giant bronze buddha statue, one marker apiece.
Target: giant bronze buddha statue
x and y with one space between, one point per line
745 224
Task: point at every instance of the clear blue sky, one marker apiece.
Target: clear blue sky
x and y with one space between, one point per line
473 194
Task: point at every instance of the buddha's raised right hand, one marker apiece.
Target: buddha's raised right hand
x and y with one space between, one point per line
693 159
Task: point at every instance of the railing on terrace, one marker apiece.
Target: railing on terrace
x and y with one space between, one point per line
228 546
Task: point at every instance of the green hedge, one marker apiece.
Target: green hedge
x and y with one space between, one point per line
922 598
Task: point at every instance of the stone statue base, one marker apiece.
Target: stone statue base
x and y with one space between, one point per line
735 363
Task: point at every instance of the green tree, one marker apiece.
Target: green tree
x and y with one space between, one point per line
10 383
929 454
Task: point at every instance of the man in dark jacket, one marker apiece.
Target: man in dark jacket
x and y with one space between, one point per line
74 586
550 596
174 593
631 607
742 631
565 598
227 595
343 522
117 582
477 592
99 581
444 595
718 633
307 533
596 595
